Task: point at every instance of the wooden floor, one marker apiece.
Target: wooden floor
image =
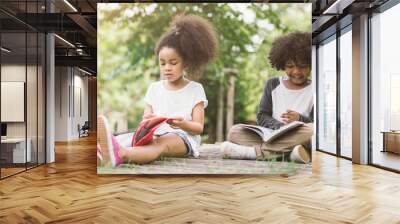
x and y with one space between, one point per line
10 171
70 191
386 159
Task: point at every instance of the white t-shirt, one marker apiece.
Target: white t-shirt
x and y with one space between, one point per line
298 100
176 103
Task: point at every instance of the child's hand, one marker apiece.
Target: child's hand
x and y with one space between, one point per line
148 116
290 116
176 122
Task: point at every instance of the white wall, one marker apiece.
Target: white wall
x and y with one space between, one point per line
80 102
69 85
34 124
12 73
62 81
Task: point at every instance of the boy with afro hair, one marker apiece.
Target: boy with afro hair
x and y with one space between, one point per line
284 100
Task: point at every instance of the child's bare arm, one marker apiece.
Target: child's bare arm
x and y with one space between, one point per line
196 125
148 112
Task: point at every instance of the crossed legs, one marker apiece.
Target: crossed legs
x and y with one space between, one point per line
244 144
169 145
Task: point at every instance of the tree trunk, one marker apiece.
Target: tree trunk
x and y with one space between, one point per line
230 99
220 114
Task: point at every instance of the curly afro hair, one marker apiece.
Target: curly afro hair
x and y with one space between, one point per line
193 38
294 47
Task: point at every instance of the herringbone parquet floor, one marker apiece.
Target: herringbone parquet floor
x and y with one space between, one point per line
70 191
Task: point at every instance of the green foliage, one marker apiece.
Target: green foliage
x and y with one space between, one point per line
128 33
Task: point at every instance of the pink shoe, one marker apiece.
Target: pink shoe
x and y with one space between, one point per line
108 144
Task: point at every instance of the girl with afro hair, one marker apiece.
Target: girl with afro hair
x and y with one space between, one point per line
284 100
186 48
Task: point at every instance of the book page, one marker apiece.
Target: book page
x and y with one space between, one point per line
259 130
286 128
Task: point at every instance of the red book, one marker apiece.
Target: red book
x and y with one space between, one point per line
144 133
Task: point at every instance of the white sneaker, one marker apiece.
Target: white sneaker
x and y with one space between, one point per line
235 151
299 155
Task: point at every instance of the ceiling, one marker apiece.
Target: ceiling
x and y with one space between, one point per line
329 15
76 22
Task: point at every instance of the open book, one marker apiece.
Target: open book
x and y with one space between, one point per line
146 129
268 135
